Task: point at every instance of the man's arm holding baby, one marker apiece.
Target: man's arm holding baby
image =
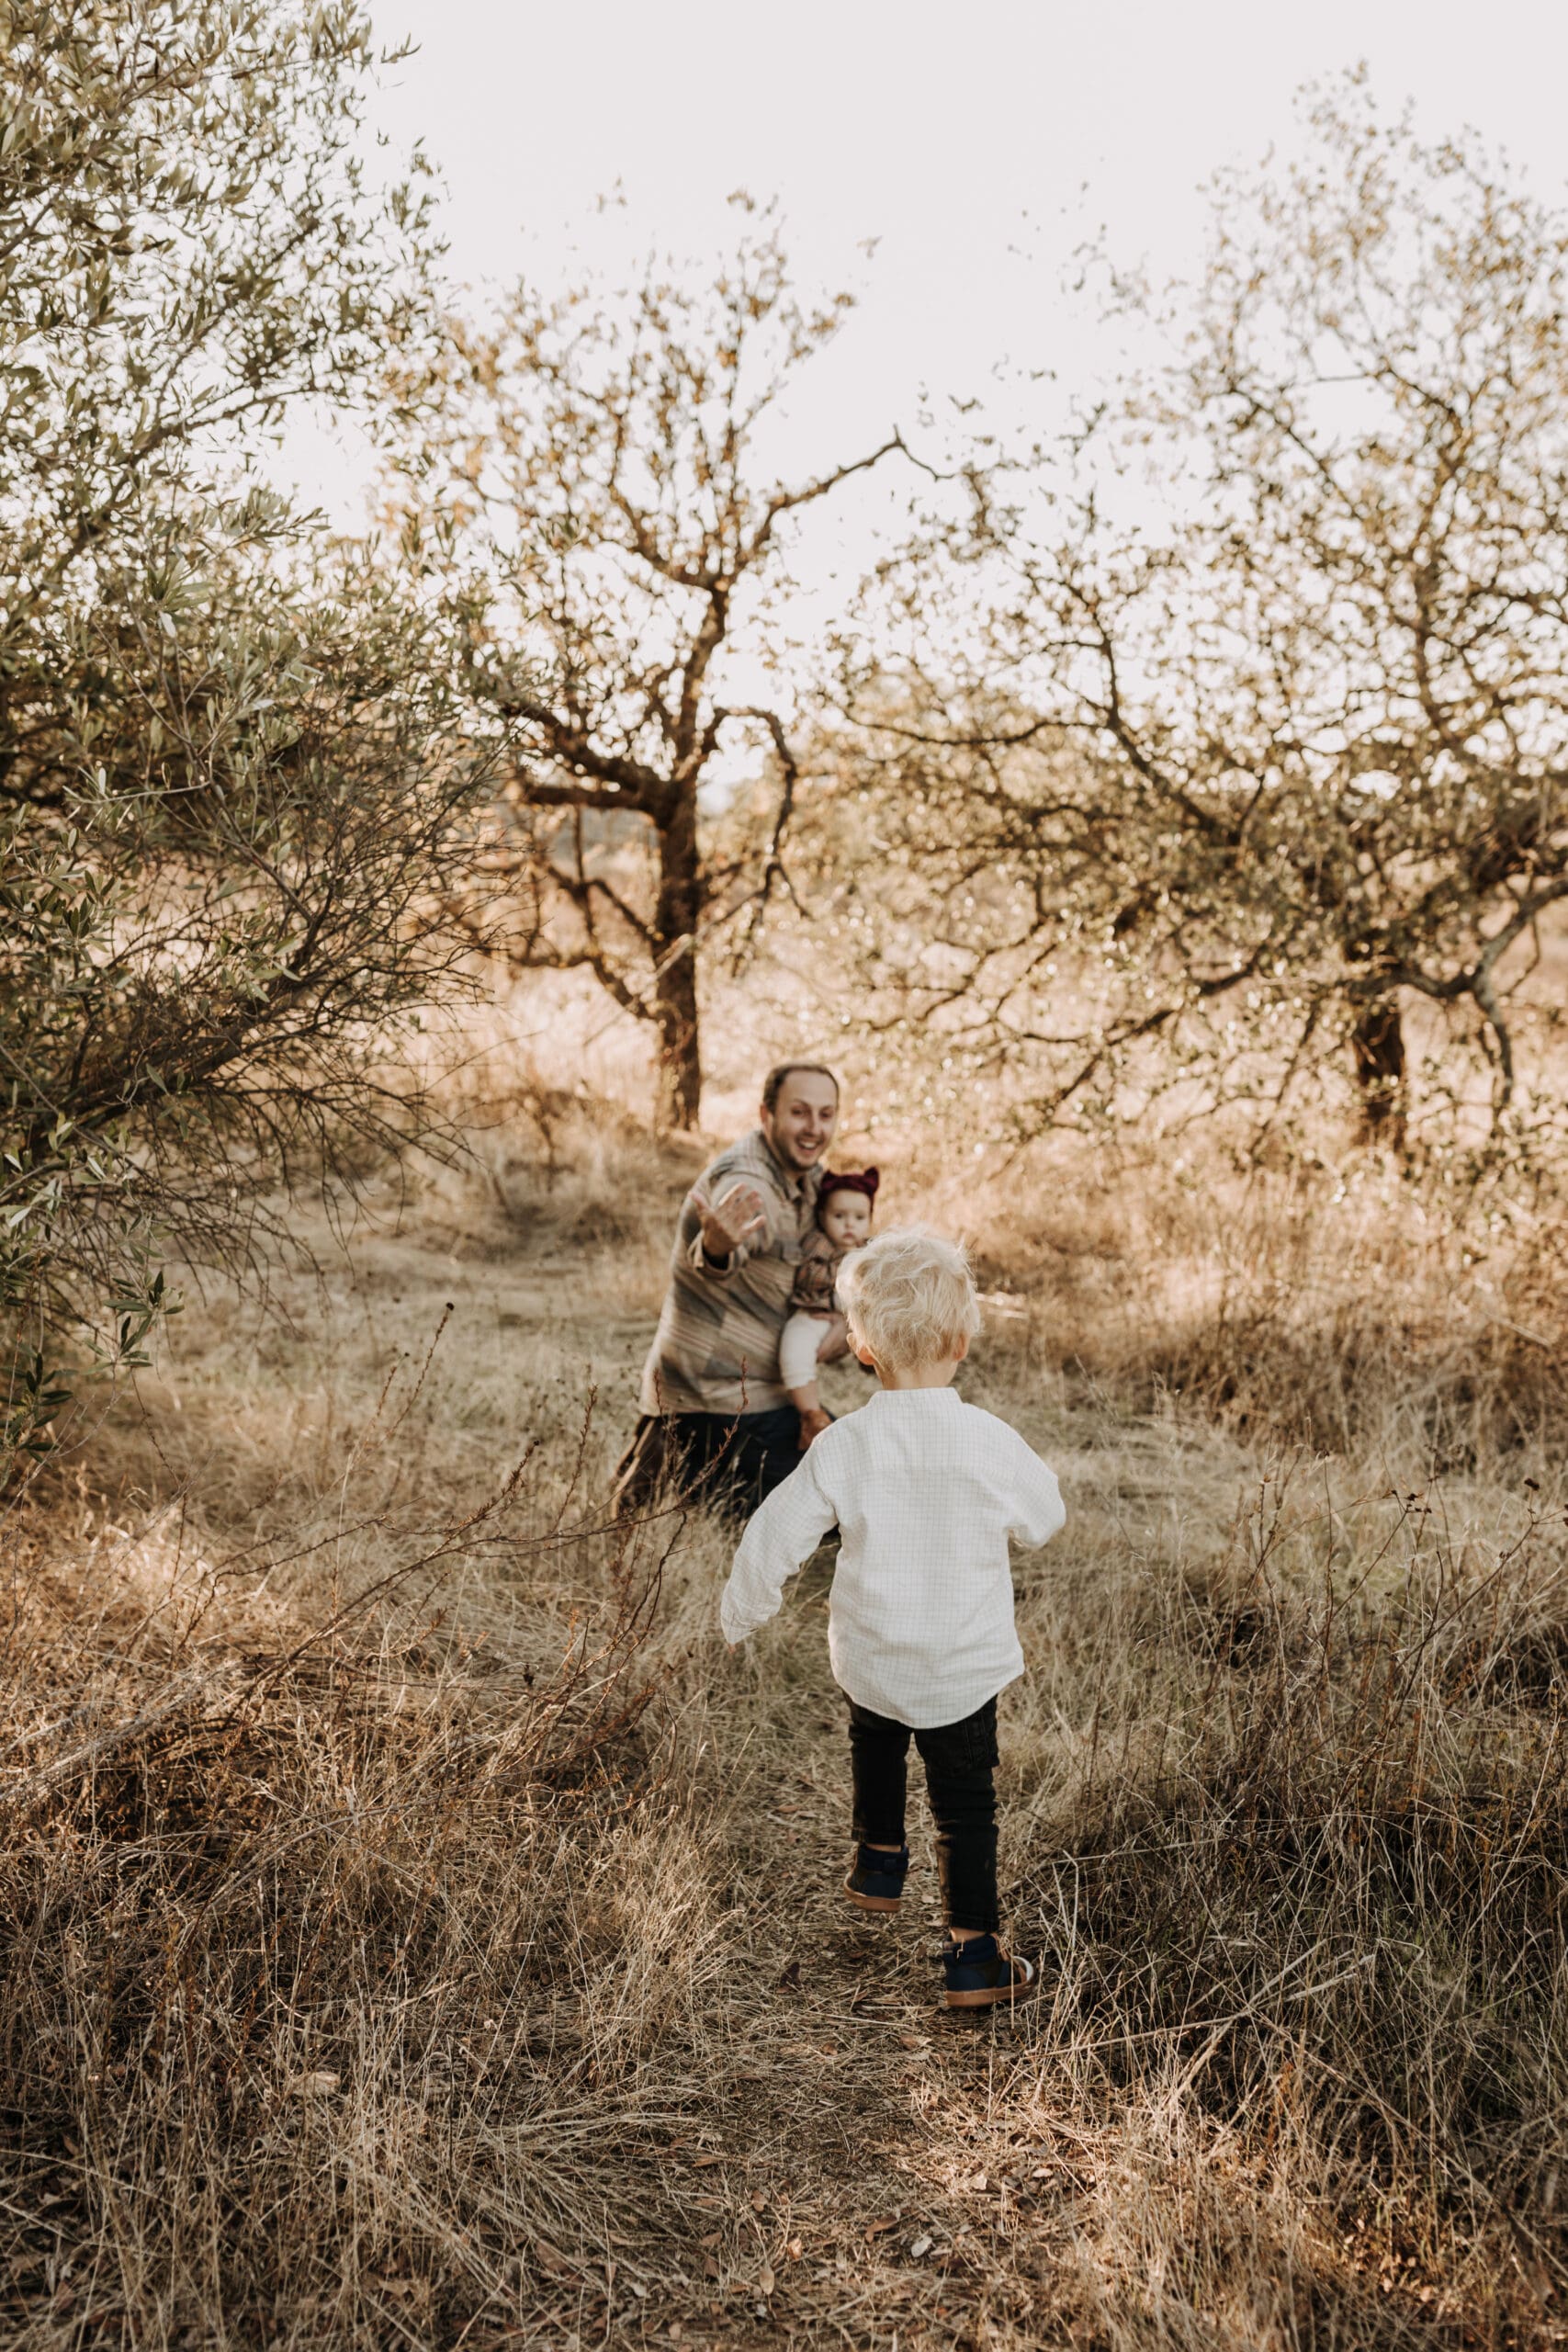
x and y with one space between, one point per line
779 1538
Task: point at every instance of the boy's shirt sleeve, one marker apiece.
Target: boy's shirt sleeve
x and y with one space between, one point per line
1038 1508
779 1537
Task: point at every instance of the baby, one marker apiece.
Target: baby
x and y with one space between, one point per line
843 1223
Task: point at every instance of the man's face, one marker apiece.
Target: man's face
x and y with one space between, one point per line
800 1125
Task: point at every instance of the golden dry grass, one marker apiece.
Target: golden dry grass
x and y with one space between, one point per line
420 1931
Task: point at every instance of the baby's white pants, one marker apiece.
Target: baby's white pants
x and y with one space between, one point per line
798 1343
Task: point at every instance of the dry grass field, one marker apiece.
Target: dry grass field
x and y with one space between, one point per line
419 1931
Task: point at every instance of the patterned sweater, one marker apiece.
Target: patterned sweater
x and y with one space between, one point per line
816 1275
717 1348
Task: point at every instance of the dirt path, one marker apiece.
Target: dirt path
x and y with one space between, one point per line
860 2166
867 2168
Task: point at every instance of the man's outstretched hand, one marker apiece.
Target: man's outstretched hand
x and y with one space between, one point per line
731 1220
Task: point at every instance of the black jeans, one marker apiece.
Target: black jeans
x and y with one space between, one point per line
959 1760
732 1460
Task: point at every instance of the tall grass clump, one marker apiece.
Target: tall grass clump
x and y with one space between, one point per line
315 1842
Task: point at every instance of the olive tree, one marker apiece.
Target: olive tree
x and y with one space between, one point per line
1262 732
187 246
590 476
226 780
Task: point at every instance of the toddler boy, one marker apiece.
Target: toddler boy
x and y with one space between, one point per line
926 1491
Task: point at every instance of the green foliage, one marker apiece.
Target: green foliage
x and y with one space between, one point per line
185 246
205 943
229 781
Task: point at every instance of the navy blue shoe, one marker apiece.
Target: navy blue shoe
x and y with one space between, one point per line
978 1975
876 1882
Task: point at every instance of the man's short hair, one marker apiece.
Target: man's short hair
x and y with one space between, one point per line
773 1083
909 1297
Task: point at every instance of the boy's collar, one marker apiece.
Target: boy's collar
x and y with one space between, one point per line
947 1389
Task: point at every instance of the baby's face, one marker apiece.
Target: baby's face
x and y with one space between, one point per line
846 1219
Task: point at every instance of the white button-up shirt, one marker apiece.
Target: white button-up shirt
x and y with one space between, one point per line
926 1491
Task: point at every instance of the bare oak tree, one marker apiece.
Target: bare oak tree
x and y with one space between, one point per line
592 470
1268 723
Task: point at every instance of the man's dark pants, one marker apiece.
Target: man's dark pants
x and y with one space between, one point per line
732 1460
960 1759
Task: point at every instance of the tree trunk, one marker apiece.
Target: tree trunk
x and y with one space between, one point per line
1377 1048
675 918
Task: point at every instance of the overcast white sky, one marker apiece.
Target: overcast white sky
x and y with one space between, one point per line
979 142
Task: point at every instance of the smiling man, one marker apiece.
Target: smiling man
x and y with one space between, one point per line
716 1420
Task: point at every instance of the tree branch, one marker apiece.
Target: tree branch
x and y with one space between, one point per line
575 749
538 794
774 870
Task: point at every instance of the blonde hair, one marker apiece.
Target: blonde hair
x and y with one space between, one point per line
909 1297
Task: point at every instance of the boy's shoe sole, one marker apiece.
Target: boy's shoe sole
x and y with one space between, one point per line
873 1901
990 1996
